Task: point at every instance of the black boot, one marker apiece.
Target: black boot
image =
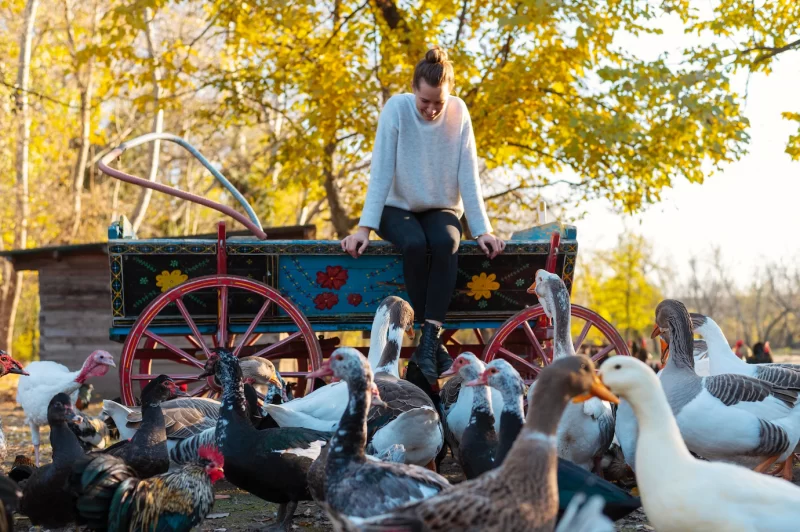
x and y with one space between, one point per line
427 354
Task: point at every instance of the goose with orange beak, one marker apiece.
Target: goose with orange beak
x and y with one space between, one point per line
587 429
730 418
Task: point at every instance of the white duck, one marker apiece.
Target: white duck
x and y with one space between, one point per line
409 417
729 417
723 360
681 493
586 430
183 417
47 379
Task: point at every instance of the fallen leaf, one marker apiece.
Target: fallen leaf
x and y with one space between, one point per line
218 516
221 497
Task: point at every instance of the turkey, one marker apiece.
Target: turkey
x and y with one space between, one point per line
7 365
46 379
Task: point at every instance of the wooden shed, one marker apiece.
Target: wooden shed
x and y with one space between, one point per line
75 300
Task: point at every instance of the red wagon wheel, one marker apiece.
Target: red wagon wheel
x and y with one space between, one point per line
148 341
528 346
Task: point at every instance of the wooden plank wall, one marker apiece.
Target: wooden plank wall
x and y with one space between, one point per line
75 315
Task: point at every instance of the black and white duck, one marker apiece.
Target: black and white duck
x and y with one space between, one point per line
272 464
347 468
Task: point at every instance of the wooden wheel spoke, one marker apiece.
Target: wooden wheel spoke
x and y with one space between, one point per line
508 354
201 390
253 339
192 340
253 324
222 326
582 335
479 336
270 348
193 326
603 352
177 350
535 342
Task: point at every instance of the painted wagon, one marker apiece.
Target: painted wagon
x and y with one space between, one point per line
175 300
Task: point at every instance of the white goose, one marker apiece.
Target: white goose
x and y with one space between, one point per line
681 493
729 417
409 417
586 430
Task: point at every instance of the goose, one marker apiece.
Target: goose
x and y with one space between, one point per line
522 493
681 493
586 430
347 469
572 480
728 417
471 426
408 417
723 360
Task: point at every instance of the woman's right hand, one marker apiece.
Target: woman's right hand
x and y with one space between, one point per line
355 244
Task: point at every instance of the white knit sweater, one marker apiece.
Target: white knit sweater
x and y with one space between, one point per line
419 164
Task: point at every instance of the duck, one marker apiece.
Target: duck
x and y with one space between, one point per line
45 499
347 469
586 430
680 492
146 452
723 360
272 464
572 480
522 493
408 418
470 424
728 417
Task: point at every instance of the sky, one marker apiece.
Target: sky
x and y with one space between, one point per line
751 209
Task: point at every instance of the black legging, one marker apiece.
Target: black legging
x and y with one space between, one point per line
414 233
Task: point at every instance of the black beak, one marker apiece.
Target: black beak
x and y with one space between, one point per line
206 373
17 370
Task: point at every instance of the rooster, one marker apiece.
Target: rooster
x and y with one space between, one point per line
46 379
110 497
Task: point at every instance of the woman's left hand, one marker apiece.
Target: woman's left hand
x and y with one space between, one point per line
491 245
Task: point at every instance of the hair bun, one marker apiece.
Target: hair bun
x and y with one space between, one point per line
436 55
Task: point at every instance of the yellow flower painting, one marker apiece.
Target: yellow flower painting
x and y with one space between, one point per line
168 280
482 286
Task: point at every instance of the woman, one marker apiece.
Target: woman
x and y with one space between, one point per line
424 175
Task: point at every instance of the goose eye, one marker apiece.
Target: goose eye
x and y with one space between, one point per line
618 366
339 357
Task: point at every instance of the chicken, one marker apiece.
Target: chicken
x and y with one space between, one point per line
110 497
93 432
46 379
7 365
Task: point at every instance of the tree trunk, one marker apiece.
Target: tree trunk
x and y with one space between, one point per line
14 279
158 123
342 223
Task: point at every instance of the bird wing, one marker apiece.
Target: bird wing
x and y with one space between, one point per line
449 392
734 389
780 377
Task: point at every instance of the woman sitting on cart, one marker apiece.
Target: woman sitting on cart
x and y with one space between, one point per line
424 176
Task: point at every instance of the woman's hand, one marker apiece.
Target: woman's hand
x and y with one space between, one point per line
491 245
355 244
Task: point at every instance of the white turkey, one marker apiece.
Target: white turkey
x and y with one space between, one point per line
46 379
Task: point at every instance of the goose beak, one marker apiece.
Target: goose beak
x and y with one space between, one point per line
532 288
656 331
276 381
376 397
664 351
450 371
410 332
599 390
324 371
482 380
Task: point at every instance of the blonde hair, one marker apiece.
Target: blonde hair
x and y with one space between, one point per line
434 68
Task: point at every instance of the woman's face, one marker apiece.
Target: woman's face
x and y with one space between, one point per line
430 100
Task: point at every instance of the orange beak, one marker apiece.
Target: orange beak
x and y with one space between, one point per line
599 390
532 288
276 381
410 332
664 351
656 331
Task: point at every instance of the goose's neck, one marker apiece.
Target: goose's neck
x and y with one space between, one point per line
378 337
390 354
562 322
153 429
718 349
481 400
659 436
511 420
233 411
681 347
350 438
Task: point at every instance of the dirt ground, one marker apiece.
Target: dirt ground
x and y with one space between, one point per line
234 510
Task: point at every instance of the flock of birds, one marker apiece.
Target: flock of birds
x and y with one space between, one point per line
700 437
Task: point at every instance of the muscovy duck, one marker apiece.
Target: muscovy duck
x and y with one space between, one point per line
271 464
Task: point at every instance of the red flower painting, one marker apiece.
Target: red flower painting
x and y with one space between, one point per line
326 300
333 278
354 299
